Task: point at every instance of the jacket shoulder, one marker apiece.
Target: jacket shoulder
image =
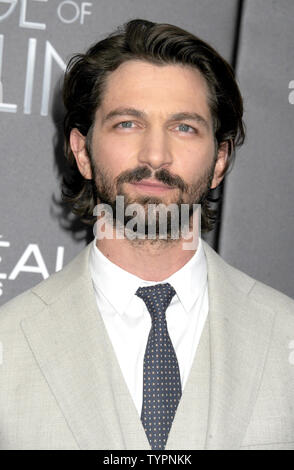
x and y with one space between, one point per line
45 292
271 300
276 298
255 289
277 301
23 305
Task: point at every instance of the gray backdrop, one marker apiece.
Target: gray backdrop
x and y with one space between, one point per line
37 37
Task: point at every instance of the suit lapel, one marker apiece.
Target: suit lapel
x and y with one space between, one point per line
76 357
240 332
189 427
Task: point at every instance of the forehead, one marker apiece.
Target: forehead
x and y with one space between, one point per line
156 88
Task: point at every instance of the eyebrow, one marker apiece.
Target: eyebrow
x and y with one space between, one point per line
141 114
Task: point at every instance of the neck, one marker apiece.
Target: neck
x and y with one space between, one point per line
151 260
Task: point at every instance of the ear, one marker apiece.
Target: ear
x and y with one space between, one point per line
222 157
78 147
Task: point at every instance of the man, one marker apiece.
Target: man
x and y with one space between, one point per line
143 343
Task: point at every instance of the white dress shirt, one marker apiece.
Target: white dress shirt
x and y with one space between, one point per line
128 321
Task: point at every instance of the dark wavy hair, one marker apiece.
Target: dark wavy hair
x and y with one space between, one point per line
84 84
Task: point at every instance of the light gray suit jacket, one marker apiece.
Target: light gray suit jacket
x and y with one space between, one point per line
61 386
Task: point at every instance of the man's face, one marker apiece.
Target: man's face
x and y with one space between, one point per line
153 126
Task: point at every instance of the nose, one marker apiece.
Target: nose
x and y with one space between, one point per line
155 150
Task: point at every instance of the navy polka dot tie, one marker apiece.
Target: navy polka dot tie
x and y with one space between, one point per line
161 377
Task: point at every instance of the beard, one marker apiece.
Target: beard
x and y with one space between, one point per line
108 188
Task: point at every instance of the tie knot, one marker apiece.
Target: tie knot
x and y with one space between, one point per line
157 298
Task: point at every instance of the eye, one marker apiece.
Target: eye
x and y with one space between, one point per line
186 128
124 124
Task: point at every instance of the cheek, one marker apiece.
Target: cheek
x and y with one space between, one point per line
194 162
112 155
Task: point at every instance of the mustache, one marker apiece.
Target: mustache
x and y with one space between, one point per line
162 175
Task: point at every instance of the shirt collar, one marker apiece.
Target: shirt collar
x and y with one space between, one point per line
188 281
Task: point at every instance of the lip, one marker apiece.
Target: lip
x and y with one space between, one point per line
153 186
